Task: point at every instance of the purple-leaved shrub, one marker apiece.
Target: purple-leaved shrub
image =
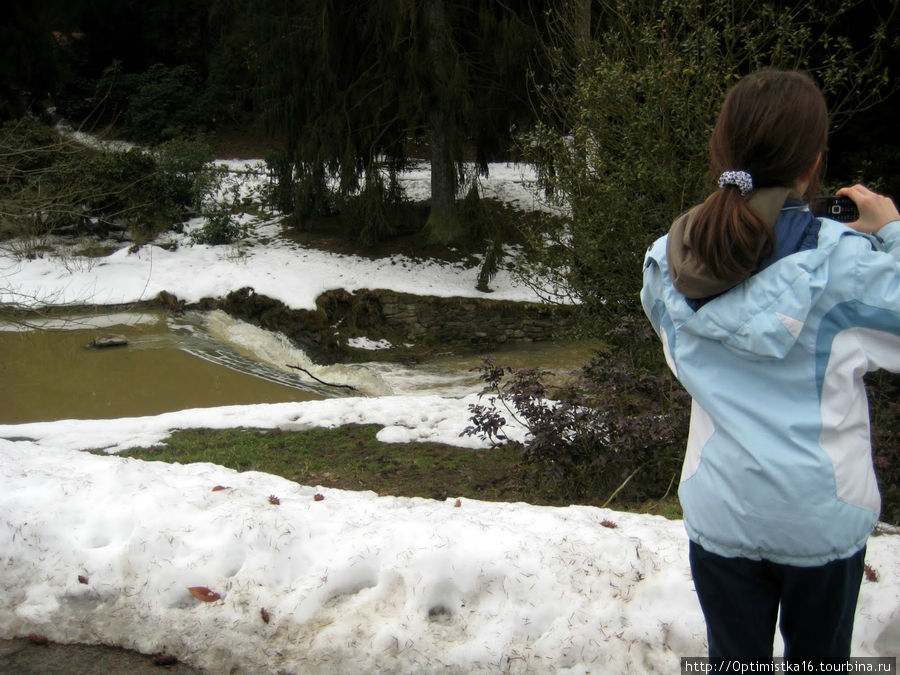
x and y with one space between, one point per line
610 427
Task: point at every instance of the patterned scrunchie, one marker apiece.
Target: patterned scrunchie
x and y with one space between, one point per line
741 179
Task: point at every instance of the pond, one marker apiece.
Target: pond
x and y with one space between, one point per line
199 359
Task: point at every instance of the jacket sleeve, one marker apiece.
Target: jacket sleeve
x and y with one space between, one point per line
877 288
889 236
653 287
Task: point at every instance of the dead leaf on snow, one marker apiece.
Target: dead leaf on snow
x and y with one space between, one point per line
203 594
871 574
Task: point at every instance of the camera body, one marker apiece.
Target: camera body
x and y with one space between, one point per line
841 209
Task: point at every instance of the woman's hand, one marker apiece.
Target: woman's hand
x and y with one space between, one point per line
875 210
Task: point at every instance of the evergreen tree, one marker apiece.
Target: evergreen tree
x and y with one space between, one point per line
30 38
350 85
112 49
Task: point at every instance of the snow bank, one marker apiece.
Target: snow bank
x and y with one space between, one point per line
304 579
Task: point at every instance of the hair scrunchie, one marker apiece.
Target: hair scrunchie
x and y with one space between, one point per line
740 179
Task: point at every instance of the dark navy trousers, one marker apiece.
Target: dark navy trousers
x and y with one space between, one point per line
740 600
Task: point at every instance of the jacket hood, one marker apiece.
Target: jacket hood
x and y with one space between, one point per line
760 317
693 278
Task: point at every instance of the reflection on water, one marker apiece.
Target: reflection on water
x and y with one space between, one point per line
209 359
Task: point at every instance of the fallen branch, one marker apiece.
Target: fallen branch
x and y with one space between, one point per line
327 384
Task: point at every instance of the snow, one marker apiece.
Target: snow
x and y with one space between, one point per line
281 269
366 343
98 548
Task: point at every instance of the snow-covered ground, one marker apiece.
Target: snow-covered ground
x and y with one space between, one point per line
290 578
280 269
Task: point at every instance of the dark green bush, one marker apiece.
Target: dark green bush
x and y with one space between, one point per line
221 212
151 107
56 185
166 103
185 173
145 191
220 227
622 147
373 207
35 195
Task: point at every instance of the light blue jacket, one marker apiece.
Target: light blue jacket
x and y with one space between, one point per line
779 461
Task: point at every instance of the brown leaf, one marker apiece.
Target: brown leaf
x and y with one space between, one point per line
218 488
319 497
274 500
82 579
458 503
264 613
38 639
871 574
203 594
610 524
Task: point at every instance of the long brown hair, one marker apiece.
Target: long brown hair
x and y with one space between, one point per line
773 125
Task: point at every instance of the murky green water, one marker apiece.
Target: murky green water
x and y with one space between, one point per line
208 359
52 374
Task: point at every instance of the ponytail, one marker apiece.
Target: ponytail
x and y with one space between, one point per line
728 235
773 126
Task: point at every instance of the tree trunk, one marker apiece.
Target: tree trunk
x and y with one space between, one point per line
443 226
582 24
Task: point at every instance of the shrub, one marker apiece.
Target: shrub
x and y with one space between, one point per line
166 103
221 211
185 173
151 107
221 226
30 157
56 185
373 206
145 191
590 438
628 113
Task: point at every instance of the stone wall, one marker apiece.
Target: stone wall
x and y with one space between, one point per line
402 318
475 321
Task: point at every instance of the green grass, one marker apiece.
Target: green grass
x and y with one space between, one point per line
351 458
